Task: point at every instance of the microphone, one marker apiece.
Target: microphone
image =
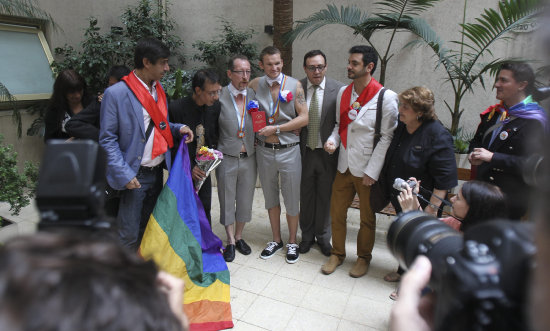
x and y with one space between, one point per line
401 184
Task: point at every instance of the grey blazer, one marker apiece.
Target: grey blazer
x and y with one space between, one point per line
228 142
328 111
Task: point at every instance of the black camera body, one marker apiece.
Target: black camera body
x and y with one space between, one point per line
71 186
480 278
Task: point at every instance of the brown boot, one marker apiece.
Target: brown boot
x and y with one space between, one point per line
331 265
360 268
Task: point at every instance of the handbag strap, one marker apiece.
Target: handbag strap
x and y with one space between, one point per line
378 123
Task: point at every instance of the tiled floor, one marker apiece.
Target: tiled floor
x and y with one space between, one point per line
274 295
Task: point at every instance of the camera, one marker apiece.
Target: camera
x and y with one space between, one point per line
71 186
480 278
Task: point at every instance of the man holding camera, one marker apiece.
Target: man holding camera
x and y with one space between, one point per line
137 138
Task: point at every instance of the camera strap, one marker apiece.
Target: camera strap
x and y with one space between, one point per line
149 130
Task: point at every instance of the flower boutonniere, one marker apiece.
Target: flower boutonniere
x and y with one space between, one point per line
285 96
252 106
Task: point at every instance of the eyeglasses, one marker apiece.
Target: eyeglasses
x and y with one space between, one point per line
242 72
214 93
316 68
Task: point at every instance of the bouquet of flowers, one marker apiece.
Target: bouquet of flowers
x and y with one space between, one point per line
207 160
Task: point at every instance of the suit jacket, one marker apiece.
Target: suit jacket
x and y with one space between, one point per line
85 125
359 155
517 140
186 111
229 143
328 112
122 134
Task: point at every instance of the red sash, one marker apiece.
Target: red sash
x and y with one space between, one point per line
157 110
368 93
499 108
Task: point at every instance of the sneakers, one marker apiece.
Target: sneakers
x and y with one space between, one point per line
270 249
292 254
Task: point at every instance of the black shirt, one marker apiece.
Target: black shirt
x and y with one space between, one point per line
203 120
427 154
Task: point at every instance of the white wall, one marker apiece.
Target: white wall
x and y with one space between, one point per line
199 19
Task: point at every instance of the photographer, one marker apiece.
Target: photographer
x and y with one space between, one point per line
52 281
476 202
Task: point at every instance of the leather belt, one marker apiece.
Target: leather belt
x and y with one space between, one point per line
275 146
150 169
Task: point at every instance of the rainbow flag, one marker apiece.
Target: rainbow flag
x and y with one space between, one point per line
179 239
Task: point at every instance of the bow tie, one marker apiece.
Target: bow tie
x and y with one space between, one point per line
277 80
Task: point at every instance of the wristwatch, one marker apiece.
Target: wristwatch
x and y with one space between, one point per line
278 131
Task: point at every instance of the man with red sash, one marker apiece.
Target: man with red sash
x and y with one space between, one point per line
137 138
359 164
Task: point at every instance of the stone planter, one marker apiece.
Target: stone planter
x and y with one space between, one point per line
463 166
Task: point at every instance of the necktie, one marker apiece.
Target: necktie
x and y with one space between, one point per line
313 124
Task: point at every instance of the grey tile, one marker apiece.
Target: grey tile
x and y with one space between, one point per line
305 320
325 300
250 279
286 290
269 314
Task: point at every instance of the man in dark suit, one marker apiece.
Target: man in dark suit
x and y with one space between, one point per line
200 112
318 166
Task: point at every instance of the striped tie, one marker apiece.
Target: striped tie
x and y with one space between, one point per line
313 124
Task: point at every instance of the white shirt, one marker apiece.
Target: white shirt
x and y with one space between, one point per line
235 92
320 96
148 150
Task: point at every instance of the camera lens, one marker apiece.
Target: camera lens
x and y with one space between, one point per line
416 232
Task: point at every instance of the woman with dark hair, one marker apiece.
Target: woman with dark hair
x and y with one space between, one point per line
421 147
508 133
69 98
476 202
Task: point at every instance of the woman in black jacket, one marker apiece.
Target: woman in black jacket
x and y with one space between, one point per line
422 148
69 98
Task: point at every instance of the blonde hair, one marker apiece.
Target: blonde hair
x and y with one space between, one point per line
421 100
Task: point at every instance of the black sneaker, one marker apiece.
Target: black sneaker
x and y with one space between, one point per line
270 249
292 254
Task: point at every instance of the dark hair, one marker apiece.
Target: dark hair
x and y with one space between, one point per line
369 55
486 202
68 81
421 100
313 53
202 76
118 72
151 49
51 281
522 73
231 62
269 50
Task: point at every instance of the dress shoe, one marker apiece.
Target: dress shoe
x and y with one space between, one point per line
229 253
331 265
325 248
305 246
243 247
360 268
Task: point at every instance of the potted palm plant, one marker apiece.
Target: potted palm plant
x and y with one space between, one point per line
392 15
464 67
